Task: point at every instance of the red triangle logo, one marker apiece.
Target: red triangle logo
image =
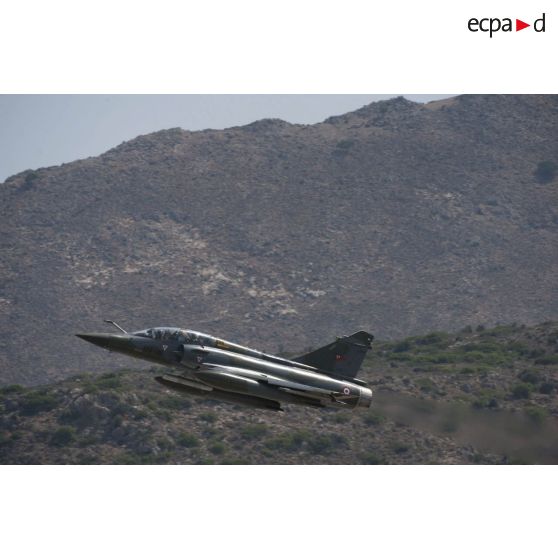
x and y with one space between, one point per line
519 25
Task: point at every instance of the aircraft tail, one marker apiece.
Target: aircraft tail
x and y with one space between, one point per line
343 357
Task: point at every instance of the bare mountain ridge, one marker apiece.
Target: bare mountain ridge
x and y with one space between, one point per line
398 217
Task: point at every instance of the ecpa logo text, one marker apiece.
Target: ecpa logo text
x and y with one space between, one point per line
494 24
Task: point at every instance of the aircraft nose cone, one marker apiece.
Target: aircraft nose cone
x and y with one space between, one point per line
99 339
106 340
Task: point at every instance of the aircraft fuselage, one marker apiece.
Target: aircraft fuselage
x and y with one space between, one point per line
215 368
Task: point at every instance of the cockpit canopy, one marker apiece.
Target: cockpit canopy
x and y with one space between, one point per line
182 336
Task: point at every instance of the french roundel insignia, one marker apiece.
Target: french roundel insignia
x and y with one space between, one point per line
346 391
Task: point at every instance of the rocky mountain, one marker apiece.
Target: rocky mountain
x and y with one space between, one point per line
399 218
484 396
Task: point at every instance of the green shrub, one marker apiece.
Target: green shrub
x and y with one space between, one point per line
166 444
5 438
111 380
253 431
373 418
31 176
163 414
139 413
86 459
17 435
116 421
401 357
535 353
345 144
63 436
545 172
434 338
401 347
493 358
477 458
483 347
290 441
29 181
441 358
88 441
320 444
522 391
400 448
89 387
175 403
325 443
517 347
536 414
548 359
187 440
217 448
481 402
12 388
208 416
529 377
426 385
37 402
370 458
340 417
546 388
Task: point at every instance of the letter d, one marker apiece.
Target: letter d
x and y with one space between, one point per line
536 24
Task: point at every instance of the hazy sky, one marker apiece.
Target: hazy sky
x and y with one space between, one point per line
44 130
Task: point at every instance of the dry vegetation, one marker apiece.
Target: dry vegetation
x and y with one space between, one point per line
439 398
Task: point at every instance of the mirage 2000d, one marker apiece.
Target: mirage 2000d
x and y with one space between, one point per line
216 369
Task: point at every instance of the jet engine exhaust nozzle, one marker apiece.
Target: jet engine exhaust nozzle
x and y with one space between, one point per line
365 399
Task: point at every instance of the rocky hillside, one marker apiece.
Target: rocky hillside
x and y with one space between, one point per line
399 218
486 396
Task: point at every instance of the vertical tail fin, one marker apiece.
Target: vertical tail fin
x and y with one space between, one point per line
343 357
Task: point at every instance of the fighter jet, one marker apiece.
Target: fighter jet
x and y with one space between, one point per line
213 368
